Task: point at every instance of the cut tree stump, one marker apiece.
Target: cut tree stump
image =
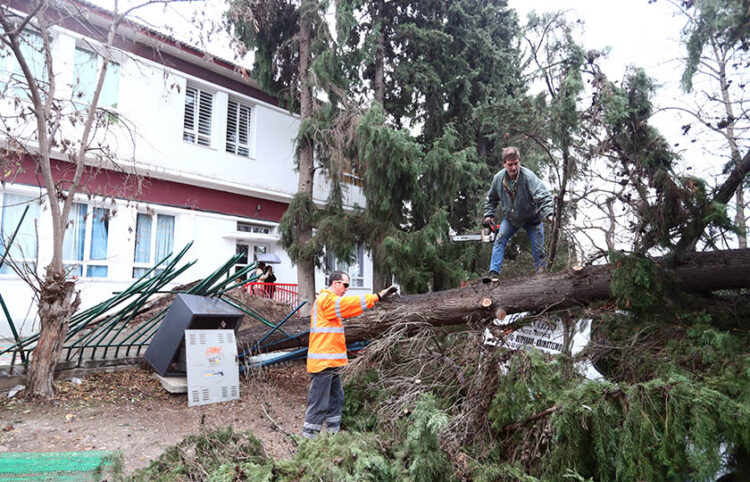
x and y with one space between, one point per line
698 272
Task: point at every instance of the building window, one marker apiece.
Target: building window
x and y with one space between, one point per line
23 252
252 228
32 49
349 175
197 122
355 268
238 128
86 68
85 243
154 240
245 249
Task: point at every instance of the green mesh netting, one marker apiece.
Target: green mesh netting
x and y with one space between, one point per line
88 465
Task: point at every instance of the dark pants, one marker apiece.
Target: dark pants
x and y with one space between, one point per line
325 402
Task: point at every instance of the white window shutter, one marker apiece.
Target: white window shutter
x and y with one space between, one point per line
197 121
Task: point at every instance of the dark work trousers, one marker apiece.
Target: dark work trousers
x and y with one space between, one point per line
325 402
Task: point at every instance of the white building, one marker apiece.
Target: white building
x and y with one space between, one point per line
216 156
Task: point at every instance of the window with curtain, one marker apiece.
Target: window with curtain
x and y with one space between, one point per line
86 67
197 120
239 117
85 243
154 241
23 251
355 268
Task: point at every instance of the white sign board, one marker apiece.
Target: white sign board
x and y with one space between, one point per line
212 370
547 335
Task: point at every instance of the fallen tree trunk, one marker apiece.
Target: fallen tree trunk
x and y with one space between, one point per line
698 272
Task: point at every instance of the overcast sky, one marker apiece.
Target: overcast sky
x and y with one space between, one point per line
642 35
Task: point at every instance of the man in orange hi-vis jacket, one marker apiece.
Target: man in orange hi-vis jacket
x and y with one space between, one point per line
326 351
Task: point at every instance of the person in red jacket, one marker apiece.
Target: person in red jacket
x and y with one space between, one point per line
326 351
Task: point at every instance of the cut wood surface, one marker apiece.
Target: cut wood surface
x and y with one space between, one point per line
699 272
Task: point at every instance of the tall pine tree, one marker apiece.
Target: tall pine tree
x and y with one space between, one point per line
435 67
288 37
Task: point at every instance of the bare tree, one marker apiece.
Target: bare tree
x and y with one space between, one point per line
716 75
553 58
40 130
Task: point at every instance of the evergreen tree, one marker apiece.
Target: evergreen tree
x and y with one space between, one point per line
716 38
289 37
443 97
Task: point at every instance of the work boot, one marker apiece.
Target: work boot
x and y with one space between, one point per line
492 277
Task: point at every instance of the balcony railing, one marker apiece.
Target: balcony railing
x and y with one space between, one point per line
285 293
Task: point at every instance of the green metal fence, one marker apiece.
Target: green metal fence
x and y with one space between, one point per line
59 466
108 330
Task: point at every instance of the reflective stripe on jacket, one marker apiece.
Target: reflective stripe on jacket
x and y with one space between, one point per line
327 345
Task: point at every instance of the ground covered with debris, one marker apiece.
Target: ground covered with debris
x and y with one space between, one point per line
129 411
425 403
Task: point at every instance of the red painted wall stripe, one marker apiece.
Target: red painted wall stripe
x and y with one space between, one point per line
152 190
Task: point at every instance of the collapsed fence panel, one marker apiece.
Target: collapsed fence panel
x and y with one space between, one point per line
111 329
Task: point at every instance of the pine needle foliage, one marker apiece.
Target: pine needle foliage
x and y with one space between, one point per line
492 472
531 384
678 410
339 457
726 22
702 338
637 281
301 212
202 454
671 429
421 457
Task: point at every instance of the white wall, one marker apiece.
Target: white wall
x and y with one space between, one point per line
214 239
148 136
155 107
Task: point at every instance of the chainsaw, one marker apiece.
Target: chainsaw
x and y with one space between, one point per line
489 232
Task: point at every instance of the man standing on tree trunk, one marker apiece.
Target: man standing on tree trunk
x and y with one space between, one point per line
525 202
326 352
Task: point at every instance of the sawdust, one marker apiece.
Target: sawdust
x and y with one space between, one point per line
130 412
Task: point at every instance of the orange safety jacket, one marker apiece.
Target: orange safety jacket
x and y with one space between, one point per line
327 344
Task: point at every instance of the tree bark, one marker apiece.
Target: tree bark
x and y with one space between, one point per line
306 264
381 277
58 300
739 218
379 78
558 213
699 272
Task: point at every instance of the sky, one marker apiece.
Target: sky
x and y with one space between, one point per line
644 35
638 33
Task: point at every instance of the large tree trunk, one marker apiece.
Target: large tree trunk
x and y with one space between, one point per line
381 278
58 300
700 272
306 264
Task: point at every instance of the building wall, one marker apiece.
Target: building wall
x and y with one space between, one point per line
206 189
